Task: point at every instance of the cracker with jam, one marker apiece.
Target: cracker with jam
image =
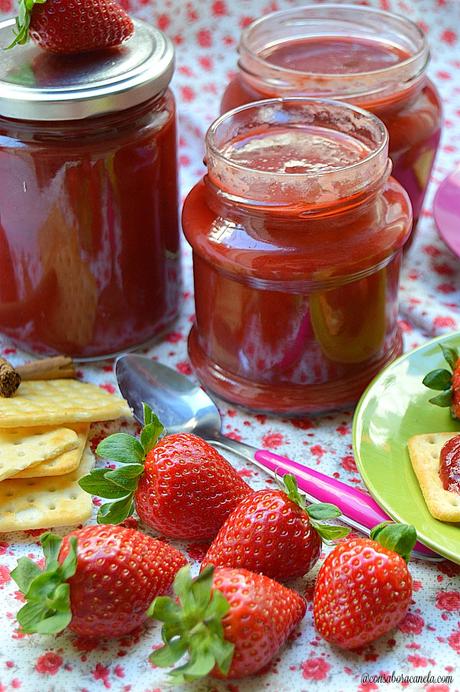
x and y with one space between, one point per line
435 458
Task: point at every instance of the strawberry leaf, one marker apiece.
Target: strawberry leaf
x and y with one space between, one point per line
51 545
96 483
121 447
121 483
150 435
400 538
46 591
323 510
438 380
24 573
148 414
21 31
450 355
116 512
289 486
126 476
193 624
331 533
443 400
168 655
316 511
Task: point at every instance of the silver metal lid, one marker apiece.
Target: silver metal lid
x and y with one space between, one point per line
35 85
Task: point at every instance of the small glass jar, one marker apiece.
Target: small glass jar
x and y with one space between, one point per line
371 58
89 228
297 233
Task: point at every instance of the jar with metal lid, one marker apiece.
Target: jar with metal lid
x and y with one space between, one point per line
297 232
374 59
89 233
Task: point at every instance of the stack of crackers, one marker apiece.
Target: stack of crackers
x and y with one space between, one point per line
44 450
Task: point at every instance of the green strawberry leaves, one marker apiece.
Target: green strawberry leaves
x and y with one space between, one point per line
46 591
120 484
21 31
317 512
441 379
400 538
121 447
438 380
192 623
450 355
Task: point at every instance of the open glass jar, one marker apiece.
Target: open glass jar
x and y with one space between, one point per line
89 229
371 58
297 233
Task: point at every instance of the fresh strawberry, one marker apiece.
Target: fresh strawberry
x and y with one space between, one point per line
364 588
231 622
446 381
72 26
180 485
274 532
98 581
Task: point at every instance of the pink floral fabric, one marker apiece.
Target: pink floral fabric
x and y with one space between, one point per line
205 33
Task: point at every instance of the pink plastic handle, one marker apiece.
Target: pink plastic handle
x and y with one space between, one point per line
352 502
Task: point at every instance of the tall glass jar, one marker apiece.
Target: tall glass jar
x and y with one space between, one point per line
371 58
297 233
89 228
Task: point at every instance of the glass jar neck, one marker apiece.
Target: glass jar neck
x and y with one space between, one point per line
355 25
295 157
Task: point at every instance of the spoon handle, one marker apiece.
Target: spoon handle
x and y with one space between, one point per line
360 508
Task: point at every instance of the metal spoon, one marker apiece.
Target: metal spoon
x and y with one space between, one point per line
183 406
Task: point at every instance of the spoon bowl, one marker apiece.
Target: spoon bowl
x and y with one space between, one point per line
181 405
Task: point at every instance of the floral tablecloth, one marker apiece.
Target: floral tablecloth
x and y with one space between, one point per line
427 643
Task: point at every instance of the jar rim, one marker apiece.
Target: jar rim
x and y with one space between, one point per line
212 147
410 68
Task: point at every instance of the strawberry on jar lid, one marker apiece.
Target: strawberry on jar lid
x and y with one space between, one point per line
37 85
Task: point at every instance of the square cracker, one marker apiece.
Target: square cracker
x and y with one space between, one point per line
56 402
424 452
38 503
63 463
22 448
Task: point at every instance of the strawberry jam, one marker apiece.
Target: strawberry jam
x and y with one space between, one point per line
371 58
297 231
449 465
89 233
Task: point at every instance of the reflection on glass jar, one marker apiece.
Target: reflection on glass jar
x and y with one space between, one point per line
89 232
297 232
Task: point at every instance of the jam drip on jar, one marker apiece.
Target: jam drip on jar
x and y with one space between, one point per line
449 465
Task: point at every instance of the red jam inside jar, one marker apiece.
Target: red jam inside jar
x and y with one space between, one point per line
297 232
89 232
449 465
368 57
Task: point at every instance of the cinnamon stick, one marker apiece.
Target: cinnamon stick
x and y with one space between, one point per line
10 379
54 368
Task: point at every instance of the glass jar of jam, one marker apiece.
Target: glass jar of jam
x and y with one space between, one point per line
374 59
297 233
89 232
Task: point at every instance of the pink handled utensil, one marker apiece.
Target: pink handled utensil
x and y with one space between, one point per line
183 406
446 211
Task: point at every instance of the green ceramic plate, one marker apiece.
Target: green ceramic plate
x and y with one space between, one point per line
392 409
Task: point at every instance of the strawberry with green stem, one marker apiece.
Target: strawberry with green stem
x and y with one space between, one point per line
180 485
230 623
72 26
364 588
98 581
446 381
275 532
